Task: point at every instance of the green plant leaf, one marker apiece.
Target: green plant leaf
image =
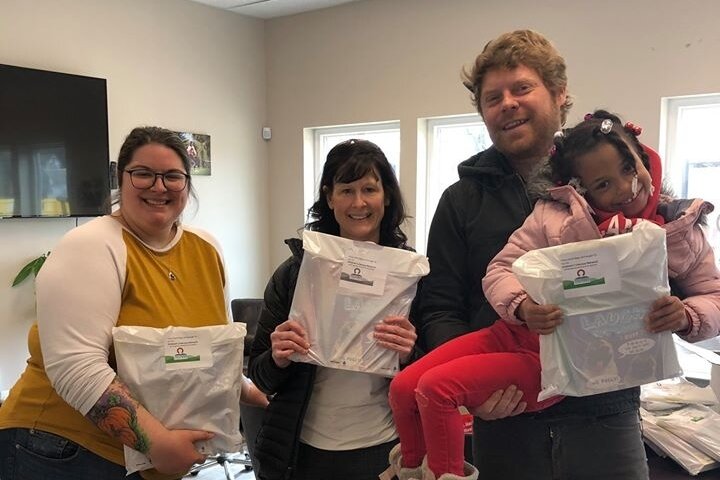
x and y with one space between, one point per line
38 263
23 274
33 266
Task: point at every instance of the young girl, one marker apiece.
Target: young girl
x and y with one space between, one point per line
599 181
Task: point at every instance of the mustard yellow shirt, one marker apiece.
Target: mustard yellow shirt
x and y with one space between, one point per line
100 276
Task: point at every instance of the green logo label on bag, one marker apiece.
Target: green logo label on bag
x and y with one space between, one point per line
582 281
187 350
589 270
181 358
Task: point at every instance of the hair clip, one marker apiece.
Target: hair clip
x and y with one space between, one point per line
574 182
634 129
606 126
588 116
559 135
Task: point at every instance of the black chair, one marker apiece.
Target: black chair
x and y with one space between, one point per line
247 311
224 460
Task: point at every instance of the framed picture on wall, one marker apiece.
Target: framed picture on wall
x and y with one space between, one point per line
198 149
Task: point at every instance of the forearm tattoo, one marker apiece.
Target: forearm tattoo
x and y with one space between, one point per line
115 413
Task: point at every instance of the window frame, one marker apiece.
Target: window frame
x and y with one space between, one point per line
676 165
671 107
427 164
314 160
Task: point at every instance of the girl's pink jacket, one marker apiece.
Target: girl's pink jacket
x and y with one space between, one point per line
565 217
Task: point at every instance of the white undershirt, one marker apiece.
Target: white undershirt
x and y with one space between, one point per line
348 410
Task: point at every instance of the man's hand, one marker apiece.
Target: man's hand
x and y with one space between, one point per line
501 404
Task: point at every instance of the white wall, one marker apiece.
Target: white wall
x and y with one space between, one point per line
186 66
172 63
401 59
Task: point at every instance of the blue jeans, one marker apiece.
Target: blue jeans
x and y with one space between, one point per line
27 454
570 448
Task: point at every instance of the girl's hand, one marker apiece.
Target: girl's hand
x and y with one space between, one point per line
287 338
542 319
667 314
396 333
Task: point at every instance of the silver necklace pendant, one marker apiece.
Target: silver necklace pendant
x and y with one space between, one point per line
171 276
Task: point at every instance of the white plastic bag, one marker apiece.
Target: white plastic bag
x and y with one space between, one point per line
605 288
187 378
689 457
709 351
674 393
698 425
344 288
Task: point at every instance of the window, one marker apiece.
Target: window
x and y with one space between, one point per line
319 141
692 152
448 141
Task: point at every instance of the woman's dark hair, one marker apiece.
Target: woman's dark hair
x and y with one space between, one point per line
141 136
350 161
588 135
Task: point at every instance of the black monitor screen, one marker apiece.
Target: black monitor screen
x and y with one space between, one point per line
54 159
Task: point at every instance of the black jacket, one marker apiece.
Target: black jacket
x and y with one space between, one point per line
277 442
472 223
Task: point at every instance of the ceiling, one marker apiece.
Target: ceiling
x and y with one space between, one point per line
272 8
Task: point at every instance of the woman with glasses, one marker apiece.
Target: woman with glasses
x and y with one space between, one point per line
69 415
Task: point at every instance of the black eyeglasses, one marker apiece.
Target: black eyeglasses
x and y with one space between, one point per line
143 179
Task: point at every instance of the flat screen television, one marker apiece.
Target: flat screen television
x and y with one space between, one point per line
54 159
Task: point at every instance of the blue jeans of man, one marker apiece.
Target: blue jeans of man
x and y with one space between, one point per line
561 448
